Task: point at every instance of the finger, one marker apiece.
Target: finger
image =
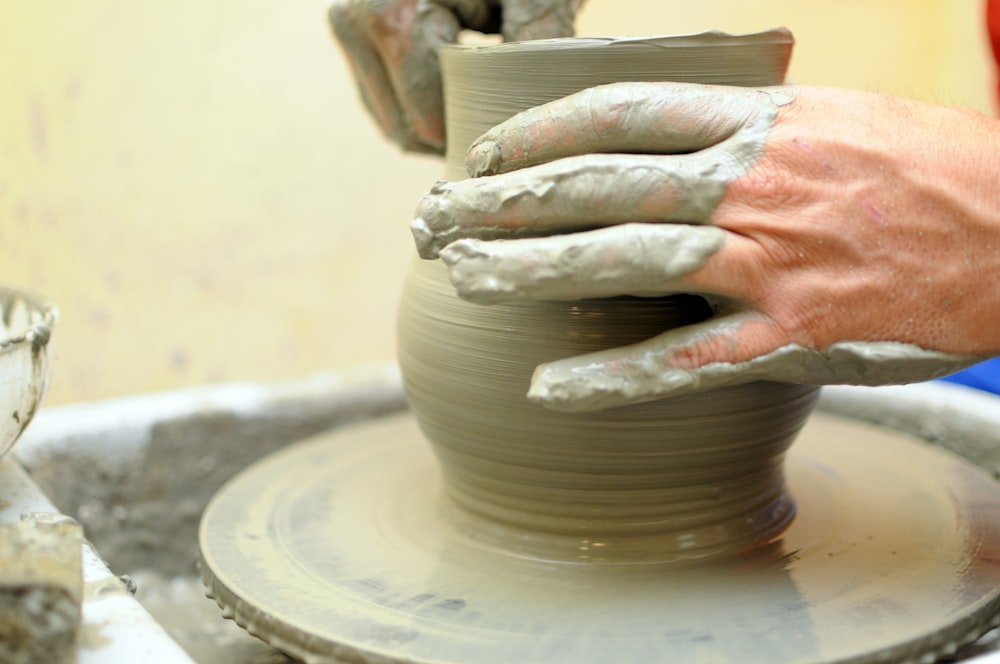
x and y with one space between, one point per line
729 350
525 20
644 371
416 72
373 82
644 260
573 194
392 51
661 118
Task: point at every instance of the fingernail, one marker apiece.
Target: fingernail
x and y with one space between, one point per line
483 159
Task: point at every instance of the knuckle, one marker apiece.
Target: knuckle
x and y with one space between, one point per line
767 185
777 179
691 356
801 313
607 111
717 344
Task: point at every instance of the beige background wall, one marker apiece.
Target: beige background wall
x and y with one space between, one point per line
196 186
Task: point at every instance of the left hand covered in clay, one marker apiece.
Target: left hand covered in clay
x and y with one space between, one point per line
842 236
392 48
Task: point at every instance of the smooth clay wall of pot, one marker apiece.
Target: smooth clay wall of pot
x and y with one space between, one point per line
198 188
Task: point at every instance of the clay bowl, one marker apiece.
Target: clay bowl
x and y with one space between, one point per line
26 323
677 479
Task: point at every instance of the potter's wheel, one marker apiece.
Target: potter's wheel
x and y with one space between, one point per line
343 548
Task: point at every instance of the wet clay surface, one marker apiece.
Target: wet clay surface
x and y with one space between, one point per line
345 546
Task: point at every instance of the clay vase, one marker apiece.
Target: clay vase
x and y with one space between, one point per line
677 479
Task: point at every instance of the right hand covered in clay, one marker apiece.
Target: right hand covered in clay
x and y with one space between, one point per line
392 47
842 237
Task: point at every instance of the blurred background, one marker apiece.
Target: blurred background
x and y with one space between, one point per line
197 187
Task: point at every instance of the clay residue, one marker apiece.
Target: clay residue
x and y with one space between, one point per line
582 192
41 582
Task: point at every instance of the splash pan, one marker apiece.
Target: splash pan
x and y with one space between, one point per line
26 323
343 548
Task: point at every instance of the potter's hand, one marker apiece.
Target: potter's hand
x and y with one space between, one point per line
843 237
392 47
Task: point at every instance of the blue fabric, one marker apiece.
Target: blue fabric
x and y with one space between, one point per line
983 376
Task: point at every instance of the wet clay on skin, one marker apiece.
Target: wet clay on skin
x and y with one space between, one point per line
471 224
571 192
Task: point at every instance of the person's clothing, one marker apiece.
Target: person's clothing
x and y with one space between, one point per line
983 376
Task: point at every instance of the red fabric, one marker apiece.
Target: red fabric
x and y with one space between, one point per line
993 25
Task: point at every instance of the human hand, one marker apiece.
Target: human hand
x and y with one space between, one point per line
842 237
392 47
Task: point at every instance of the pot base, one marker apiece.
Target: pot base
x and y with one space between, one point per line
345 548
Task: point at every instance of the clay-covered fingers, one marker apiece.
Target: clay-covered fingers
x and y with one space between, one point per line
730 349
633 259
669 364
524 20
602 157
573 194
392 49
648 118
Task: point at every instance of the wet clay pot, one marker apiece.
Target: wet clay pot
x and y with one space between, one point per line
676 479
